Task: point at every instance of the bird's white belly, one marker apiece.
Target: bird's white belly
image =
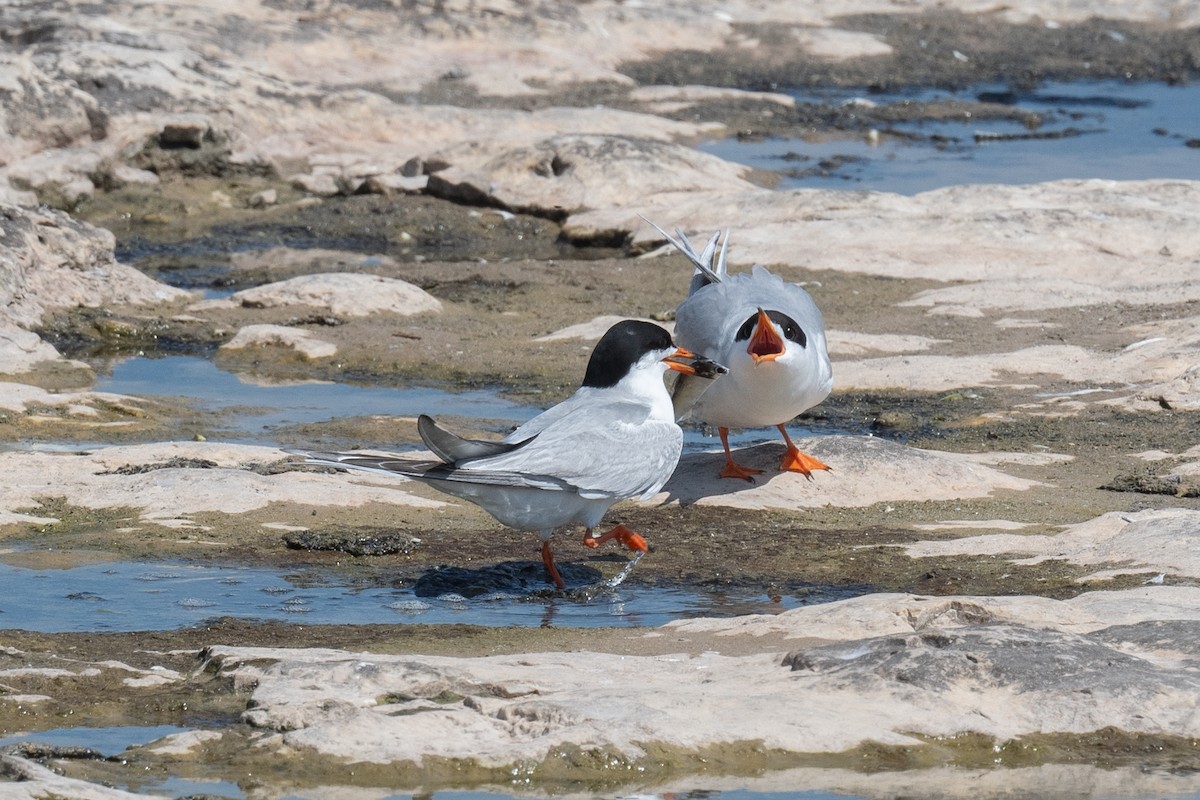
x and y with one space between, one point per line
758 396
529 509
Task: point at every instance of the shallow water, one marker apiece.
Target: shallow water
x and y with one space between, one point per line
131 596
254 413
256 410
108 741
1103 129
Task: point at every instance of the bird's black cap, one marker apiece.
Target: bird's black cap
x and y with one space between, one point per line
620 348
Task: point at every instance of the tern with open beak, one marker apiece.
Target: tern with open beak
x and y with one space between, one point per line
769 334
616 438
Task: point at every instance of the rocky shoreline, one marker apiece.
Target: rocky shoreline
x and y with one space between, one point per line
389 195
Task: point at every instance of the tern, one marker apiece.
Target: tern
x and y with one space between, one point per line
614 439
769 334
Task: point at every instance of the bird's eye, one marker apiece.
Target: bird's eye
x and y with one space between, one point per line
791 329
747 329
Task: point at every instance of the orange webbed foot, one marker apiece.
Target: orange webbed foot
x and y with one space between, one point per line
634 541
734 470
795 461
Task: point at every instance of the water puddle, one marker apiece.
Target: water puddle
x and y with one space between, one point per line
1104 129
133 596
254 413
107 741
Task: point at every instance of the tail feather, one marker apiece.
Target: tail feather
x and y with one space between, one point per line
710 267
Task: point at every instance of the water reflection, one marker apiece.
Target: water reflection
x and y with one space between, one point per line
131 596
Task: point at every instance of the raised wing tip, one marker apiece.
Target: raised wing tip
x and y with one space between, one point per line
454 449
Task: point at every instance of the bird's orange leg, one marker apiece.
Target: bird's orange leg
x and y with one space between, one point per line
548 560
732 468
633 541
795 461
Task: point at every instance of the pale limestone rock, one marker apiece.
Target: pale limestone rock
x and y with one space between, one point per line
20 397
267 197
394 184
301 341
122 175
574 173
318 184
1157 541
166 496
178 744
1159 366
1081 241
21 350
50 261
890 666
836 44
1180 394
29 780
342 293
866 470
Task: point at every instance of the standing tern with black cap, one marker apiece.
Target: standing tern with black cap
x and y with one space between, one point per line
616 438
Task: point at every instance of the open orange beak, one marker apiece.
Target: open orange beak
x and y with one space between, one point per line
689 363
765 344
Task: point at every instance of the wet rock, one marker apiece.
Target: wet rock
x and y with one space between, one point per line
48 262
340 294
504 579
267 197
320 185
28 779
185 131
394 184
296 340
352 544
123 175
1174 485
22 351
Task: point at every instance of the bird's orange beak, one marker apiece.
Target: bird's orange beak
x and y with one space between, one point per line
689 363
765 344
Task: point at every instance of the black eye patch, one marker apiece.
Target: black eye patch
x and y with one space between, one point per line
791 330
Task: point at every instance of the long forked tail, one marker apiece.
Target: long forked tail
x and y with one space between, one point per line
714 271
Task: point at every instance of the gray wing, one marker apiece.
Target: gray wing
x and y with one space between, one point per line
428 471
547 418
605 450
